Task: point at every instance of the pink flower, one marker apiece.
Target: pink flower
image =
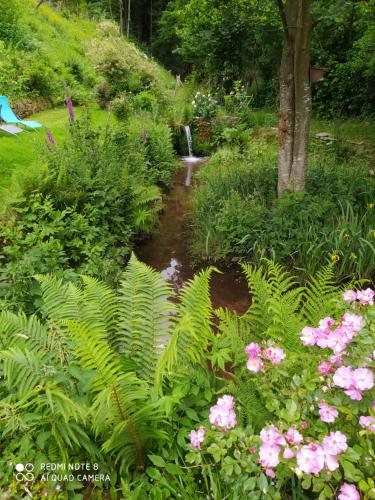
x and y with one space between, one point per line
222 414
304 425
310 459
335 443
227 401
252 450
367 423
254 365
253 350
331 462
327 413
293 436
288 453
270 473
352 321
197 437
325 368
343 377
363 379
269 455
366 297
354 394
309 336
348 492
274 354
272 436
336 360
349 295
326 323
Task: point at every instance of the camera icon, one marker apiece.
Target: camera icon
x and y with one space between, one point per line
25 472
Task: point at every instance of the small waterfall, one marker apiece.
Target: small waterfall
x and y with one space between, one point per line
189 140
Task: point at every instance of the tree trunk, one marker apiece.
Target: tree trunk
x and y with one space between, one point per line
128 20
295 95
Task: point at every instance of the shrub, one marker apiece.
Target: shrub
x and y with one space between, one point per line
299 425
236 214
81 213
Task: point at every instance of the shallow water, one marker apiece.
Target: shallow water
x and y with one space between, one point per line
167 250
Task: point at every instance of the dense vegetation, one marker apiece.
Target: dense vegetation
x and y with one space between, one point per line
113 384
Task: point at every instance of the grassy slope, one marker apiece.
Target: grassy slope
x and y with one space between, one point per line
17 153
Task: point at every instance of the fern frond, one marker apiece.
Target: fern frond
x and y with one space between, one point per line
188 342
60 299
99 306
146 316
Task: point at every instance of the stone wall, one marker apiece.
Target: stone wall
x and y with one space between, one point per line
27 107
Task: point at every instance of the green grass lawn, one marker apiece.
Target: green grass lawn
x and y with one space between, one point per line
18 153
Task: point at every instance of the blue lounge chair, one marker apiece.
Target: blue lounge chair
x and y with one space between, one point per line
7 114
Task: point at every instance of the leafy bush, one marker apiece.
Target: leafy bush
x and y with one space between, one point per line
289 404
82 212
236 214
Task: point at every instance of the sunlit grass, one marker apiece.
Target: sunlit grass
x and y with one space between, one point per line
18 153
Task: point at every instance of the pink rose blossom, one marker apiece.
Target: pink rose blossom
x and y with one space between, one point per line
335 443
327 413
343 377
197 437
274 354
326 323
354 393
293 436
352 321
348 492
363 379
272 436
304 425
349 295
222 414
310 459
269 455
325 368
254 365
331 462
367 422
336 360
366 297
252 450
309 336
288 453
253 350
270 473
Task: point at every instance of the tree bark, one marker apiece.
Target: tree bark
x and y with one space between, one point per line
295 95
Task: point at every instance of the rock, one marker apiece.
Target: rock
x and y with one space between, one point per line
324 136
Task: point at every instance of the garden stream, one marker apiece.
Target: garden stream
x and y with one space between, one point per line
167 251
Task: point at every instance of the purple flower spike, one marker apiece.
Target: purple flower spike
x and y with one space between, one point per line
69 105
50 138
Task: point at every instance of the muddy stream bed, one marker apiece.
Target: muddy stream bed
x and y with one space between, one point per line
167 251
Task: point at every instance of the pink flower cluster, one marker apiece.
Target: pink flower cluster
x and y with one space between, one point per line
348 492
257 355
197 437
313 457
354 381
335 339
272 440
367 422
222 414
364 297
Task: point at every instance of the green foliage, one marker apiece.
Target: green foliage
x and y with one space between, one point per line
82 212
236 214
